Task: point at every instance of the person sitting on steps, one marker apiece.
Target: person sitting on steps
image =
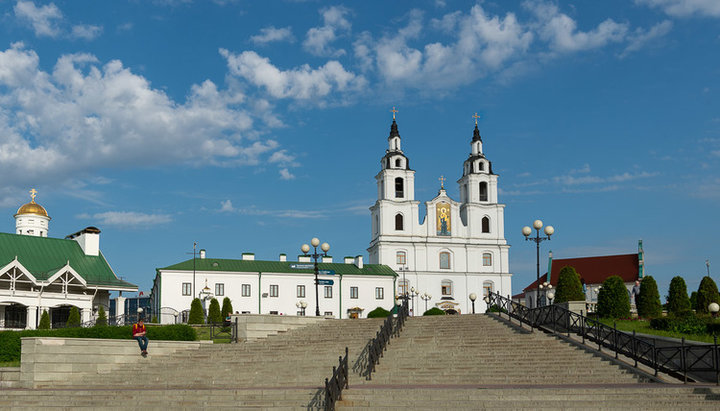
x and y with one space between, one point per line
138 333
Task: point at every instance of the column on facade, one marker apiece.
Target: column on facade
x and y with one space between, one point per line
31 322
119 306
85 315
2 316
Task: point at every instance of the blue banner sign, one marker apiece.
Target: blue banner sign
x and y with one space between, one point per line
302 266
326 272
326 282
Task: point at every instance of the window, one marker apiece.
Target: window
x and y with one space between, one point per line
273 290
403 287
246 290
445 260
220 289
486 224
353 292
399 188
301 291
273 312
487 259
398 222
379 293
328 291
488 287
483 191
401 258
398 163
328 314
446 288
186 289
481 166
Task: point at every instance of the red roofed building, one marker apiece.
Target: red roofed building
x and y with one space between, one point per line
593 271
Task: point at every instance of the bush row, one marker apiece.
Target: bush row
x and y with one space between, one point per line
10 340
687 323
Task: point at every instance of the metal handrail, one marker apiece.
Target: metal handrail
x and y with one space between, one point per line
336 383
673 360
376 347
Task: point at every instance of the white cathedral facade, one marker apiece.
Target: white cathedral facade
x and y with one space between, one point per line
458 249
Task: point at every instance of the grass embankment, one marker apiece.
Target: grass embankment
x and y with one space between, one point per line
203 333
643 327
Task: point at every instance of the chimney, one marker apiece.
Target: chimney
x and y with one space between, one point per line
202 254
89 240
302 258
283 257
358 261
349 260
327 259
248 256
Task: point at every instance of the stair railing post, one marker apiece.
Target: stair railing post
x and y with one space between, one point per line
634 348
655 357
716 361
615 337
582 326
683 361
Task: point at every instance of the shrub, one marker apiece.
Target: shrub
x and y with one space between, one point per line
707 293
378 313
434 311
496 309
569 287
101 320
693 299
73 318
226 308
44 321
197 314
613 299
684 323
214 312
678 300
649 305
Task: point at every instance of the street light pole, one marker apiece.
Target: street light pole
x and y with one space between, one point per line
707 264
426 297
473 297
549 230
325 247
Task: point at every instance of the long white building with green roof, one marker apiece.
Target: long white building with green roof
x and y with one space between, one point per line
348 290
40 273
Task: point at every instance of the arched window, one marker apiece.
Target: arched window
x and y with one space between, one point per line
487 259
403 287
399 222
398 163
483 191
399 188
377 223
401 258
488 287
446 288
481 166
486 224
445 260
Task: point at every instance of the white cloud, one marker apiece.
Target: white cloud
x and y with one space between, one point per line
83 117
619 178
301 83
285 174
318 39
271 34
44 19
226 207
685 8
127 218
642 37
86 31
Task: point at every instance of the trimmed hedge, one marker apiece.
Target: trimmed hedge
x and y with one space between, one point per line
214 312
613 299
434 311
678 300
687 323
707 293
569 287
378 313
648 303
197 314
227 308
10 340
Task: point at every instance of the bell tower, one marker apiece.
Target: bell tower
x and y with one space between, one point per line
32 218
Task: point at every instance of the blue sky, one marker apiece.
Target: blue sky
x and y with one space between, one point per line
253 126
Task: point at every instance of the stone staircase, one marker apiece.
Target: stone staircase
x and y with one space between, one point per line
478 362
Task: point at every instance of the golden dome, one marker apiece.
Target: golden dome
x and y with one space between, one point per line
32 208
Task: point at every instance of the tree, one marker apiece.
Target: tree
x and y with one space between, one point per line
649 305
197 316
214 312
226 308
707 293
434 311
44 321
102 318
613 299
73 318
569 287
378 313
693 299
678 300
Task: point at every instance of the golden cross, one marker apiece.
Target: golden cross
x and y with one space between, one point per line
476 117
442 182
33 192
394 111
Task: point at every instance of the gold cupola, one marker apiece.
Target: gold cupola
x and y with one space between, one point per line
32 207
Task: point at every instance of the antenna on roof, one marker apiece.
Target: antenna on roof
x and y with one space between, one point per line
194 253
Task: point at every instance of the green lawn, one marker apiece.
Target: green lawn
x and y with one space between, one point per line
10 364
643 326
203 333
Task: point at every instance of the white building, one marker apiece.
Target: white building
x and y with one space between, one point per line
459 248
40 273
348 290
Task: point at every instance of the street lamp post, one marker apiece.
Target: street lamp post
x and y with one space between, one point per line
473 297
549 230
707 265
550 295
301 305
325 247
545 286
426 297
413 293
713 308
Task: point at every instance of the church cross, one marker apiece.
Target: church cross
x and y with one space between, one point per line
33 192
394 111
476 117
442 182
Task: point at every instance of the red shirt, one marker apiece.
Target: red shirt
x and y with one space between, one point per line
138 329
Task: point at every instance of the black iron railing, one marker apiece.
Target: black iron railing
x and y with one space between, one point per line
336 383
376 347
676 360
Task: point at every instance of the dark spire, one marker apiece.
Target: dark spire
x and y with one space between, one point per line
394 130
476 134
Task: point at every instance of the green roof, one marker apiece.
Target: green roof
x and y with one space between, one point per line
44 256
255 266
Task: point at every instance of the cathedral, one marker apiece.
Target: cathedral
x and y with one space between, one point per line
458 250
